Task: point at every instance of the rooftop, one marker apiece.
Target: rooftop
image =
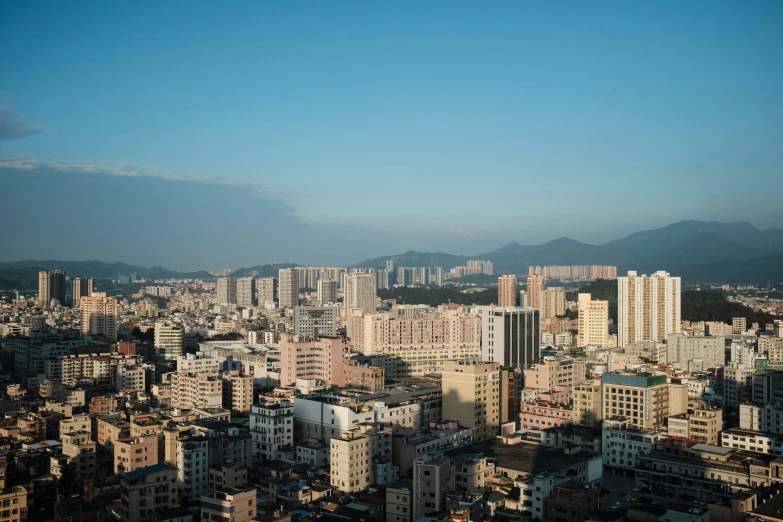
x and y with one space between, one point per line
524 457
149 470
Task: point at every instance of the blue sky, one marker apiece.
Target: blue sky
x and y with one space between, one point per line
329 132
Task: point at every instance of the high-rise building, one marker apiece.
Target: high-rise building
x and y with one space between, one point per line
523 299
99 315
511 336
147 491
648 307
265 290
349 462
51 286
272 428
315 321
360 292
288 292
81 287
739 325
553 303
645 400
327 291
226 290
201 389
593 321
438 276
587 403
535 291
168 340
507 290
246 291
325 359
471 396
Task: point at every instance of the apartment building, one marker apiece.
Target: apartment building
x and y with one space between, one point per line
471 396
315 321
266 290
288 291
703 425
239 502
648 307
535 291
761 417
326 291
81 287
246 292
552 372
543 415
201 389
433 478
226 290
237 391
51 287
593 321
587 403
349 462
739 325
168 340
99 315
134 453
752 441
303 358
511 336
192 465
507 290
363 377
197 362
645 399
553 303
737 383
399 501
148 491
13 504
623 444
271 428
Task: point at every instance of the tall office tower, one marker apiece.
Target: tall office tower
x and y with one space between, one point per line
438 276
535 291
648 307
168 340
99 315
507 290
593 321
327 291
382 279
288 291
553 303
471 396
265 290
511 336
51 285
246 291
227 290
81 287
360 292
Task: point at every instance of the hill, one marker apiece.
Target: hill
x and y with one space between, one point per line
758 271
262 270
711 305
438 296
600 289
681 247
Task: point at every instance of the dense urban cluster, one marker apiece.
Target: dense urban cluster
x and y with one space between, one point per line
305 396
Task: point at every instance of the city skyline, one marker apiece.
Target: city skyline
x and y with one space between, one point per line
258 130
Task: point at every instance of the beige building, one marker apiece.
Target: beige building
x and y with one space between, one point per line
99 315
554 372
645 400
363 377
507 290
201 389
349 462
168 340
471 396
399 502
360 293
327 291
587 403
51 286
134 453
237 391
288 291
702 425
240 503
148 491
14 504
81 287
593 321
535 291
648 307
739 325
553 303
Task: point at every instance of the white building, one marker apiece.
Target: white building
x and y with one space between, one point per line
271 429
623 444
246 291
168 340
648 307
511 336
193 465
288 292
327 291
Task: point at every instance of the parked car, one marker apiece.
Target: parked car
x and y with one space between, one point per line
637 489
616 505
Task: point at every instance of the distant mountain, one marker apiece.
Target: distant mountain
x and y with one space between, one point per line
23 271
262 270
678 248
757 271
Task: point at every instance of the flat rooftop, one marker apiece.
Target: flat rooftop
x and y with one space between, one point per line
523 457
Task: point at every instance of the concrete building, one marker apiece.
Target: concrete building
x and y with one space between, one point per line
399 501
535 291
648 307
201 389
288 291
168 340
51 287
703 425
315 321
553 303
471 396
587 403
623 444
134 453
197 362
240 503
572 502
695 353
363 377
645 400
302 358
327 291
128 377
237 391
737 383
433 478
266 290
767 418
99 315
226 290
507 290
349 462
739 325
14 504
148 491
81 287
192 465
246 292
511 336
360 292
593 321
552 373
271 429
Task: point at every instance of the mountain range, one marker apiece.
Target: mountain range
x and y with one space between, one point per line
698 251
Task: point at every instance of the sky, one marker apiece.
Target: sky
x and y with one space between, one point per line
209 135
